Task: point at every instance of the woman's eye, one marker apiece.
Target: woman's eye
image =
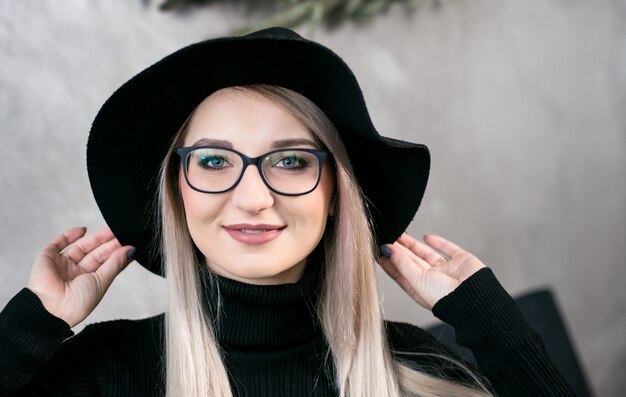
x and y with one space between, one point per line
293 161
212 162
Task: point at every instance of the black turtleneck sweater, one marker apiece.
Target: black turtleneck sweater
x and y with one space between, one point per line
272 342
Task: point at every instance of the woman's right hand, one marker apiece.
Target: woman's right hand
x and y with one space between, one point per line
70 285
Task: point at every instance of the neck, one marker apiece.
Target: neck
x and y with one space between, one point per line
261 317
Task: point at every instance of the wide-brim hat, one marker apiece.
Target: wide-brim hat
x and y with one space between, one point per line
131 133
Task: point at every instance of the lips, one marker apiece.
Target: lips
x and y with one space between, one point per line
254 234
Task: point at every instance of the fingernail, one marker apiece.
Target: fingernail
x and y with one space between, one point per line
131 254
385 251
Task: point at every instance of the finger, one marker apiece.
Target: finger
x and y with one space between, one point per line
443 245
408 270
114 265
390 268
83 246
94 259
388 265
401 249
65 239
423 251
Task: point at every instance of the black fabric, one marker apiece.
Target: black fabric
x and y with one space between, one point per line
270 349
541 311
137 123
500 346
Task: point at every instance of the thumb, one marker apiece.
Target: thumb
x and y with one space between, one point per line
117 262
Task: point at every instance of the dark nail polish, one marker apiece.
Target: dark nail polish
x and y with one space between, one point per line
131 254
385 251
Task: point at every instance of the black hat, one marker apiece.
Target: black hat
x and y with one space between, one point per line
132 131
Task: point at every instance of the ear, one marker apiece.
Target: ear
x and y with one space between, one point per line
333 204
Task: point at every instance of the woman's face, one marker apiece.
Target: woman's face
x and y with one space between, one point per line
220 224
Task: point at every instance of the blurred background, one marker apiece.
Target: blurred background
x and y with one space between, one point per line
522 103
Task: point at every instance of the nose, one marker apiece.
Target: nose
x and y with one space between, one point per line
251 194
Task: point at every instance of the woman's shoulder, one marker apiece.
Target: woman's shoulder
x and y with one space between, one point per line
416 348
25 325
124 352
150 327
122 336
38 351
408 337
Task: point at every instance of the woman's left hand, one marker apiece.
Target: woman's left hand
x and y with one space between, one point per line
423 272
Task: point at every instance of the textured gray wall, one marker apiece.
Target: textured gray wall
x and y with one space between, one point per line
521 102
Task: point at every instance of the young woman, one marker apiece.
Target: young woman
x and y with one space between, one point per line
246 170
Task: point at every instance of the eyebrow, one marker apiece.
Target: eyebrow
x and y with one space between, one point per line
293 142
213 142
281 143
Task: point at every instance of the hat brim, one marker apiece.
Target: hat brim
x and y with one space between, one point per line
132 131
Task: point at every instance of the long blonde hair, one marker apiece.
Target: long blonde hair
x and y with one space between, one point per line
364 363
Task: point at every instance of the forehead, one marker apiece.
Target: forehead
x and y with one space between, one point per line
251 123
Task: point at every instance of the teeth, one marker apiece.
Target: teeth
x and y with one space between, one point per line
253 231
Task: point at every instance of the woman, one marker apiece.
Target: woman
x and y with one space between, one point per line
248 172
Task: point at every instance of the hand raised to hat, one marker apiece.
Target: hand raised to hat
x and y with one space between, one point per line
72 273
423 272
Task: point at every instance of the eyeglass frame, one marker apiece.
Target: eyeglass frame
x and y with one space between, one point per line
184 151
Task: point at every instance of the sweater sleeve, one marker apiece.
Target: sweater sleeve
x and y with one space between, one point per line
39 356
29 337
507 350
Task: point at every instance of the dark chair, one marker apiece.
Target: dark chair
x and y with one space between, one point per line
541 312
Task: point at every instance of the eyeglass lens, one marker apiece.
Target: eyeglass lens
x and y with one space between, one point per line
287 171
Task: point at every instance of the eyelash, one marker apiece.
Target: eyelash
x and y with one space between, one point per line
204 160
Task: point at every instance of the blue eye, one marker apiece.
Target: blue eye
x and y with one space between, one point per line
292 161
212 162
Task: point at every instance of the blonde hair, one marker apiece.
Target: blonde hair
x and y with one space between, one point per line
363 360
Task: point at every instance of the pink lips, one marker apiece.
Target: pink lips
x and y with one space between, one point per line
253 234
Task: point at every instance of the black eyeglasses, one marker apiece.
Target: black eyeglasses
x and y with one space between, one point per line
214 169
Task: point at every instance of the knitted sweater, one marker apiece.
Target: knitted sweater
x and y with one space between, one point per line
272 342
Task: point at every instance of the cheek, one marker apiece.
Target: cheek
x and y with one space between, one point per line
199 207
316 207
187 194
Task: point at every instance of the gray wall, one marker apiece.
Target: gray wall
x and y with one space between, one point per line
521 102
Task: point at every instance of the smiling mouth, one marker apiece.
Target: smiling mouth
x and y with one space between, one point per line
254 234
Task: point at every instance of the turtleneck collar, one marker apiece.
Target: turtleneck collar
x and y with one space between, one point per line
264 317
